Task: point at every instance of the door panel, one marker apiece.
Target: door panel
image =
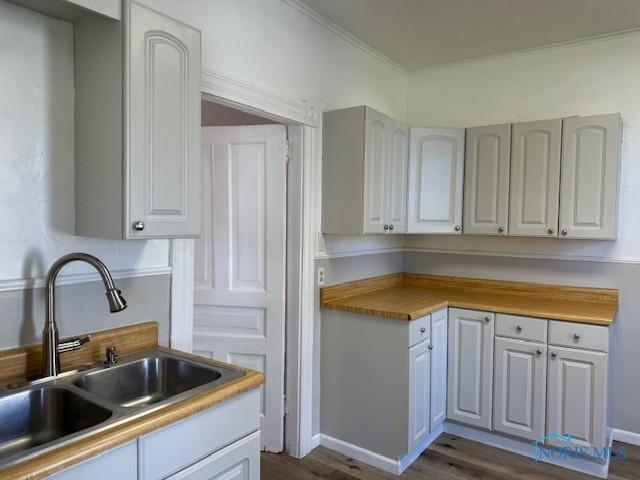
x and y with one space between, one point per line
376 154
163 129
470 367
576 401
486 189
397 178
436 167
419 387
535 178
240 285
590 175
520 388
438 402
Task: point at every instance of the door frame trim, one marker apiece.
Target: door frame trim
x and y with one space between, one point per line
302 119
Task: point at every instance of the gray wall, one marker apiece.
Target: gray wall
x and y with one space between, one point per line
338 270
83 308
624 379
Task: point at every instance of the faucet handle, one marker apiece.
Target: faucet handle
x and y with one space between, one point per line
112 356
73 344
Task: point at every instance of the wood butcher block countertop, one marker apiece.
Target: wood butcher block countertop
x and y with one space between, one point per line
127 339
407 296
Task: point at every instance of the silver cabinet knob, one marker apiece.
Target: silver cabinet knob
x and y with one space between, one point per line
487 319
139 225
550 231
457 228
539 352
576 336
430 347
501 229
564 231
554 354
518 328
390 227
386 227
423 330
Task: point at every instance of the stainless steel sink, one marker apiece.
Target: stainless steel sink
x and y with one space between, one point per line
38 416
41 415
151 380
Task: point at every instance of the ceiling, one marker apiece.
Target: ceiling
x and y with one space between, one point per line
424 33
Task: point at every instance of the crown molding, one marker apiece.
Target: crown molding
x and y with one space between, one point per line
346 36
526 51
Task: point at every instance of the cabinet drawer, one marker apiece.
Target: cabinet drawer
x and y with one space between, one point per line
173 448
239 461
580 335
419 330
524 328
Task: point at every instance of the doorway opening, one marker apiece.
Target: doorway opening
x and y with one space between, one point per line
240 262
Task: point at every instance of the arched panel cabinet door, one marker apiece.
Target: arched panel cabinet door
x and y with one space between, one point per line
590 173
162 125
436 171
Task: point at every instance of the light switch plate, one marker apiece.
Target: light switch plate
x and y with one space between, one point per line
320 276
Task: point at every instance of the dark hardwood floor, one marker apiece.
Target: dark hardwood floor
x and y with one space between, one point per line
449 458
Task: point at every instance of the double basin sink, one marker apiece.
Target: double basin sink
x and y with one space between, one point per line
43 414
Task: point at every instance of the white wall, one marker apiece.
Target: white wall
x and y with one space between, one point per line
37 157
592 78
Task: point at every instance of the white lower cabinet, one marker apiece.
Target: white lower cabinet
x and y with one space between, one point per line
239 461
577 396
519 381
419 393
438 347
222 442
470 369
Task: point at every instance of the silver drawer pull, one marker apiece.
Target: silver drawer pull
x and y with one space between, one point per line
539 352
430 347
576 336
423 330
518 328
487 319
554 354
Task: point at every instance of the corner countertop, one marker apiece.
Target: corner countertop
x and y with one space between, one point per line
406 296
76 451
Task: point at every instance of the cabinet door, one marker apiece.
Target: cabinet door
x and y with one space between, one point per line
238 461
577 397
520 381
419 386
438 368
436 168
486 184
590 177
376 153
535 178
162 126
396 174
470 368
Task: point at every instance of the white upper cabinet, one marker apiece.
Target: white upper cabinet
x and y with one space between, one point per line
138 167
163 126
590 177
535 178
397 177
486 186
364 172
436 171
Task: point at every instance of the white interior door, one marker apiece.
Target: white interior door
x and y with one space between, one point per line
239 312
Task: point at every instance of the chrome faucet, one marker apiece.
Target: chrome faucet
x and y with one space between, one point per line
51 346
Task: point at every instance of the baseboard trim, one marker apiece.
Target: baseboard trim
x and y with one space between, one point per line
625 436
523 448
315 441
361 454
